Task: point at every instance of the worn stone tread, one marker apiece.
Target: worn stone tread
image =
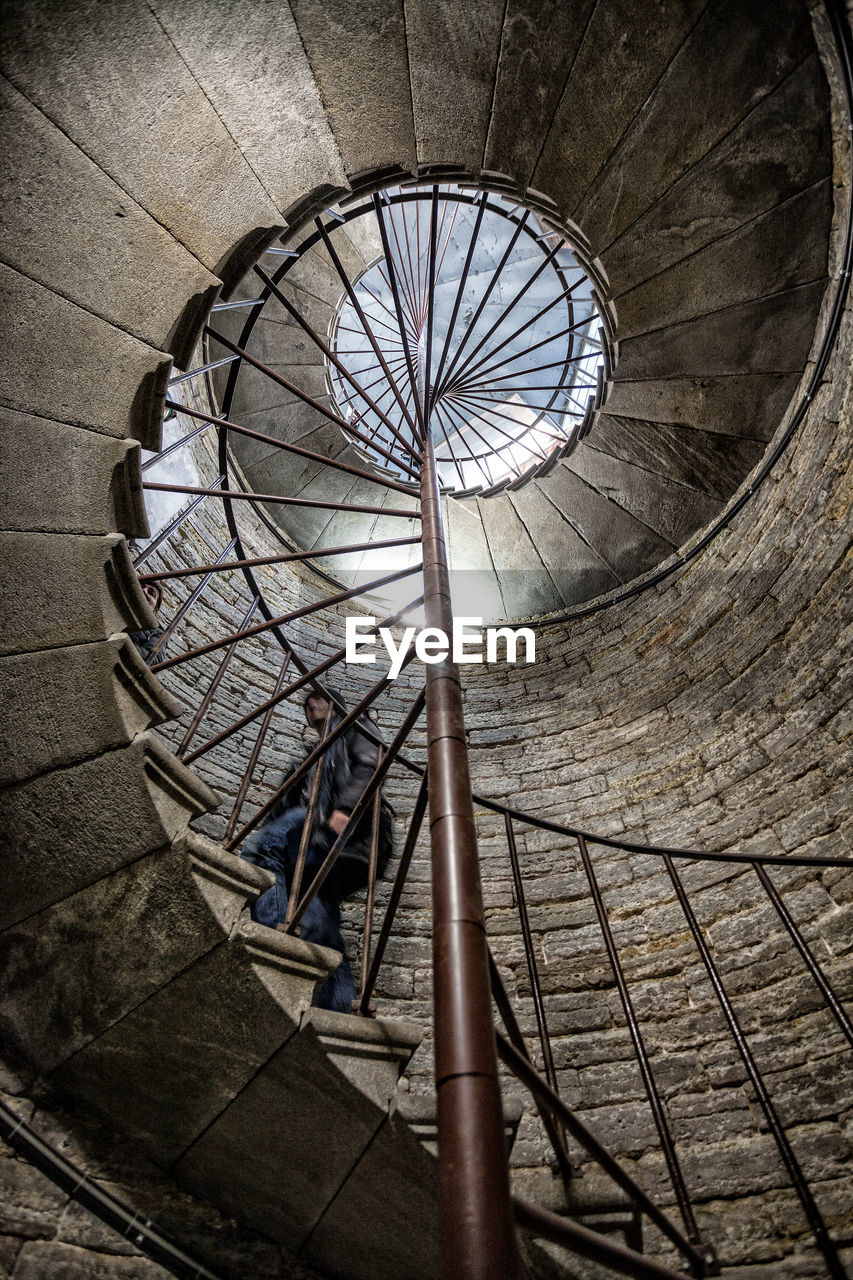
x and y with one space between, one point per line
208 1050
768 335
261 86
750 405
539 42
709 86
62 479
526 585
777 251
366 93
85 961
62 362
148 106
624 543
625 50
453 55
72 228
578 570
671 509
779 148
115 808
104 689
59 591
713 464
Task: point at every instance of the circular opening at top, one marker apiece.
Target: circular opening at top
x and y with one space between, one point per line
477 316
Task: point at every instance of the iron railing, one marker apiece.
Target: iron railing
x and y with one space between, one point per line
397 443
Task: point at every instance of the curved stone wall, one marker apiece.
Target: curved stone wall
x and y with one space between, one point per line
710 714
708 710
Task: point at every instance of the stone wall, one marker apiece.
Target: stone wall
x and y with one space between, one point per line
47 1235
709 712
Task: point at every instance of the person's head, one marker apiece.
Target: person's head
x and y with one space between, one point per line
153 593
317 707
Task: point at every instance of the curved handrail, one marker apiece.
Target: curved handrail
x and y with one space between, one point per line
756 862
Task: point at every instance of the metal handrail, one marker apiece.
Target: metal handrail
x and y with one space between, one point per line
463 1054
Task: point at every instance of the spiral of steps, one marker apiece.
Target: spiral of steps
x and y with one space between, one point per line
713 314
155 152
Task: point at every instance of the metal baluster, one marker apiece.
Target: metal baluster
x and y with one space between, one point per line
303 612
309 676
308 824
226 424
204 368
285 558
521 1067
302 395
254 756
801 1186
373 868
553 1128
661 1124
216 681
162 640
802 946
535 986
396 893
276 498
175 524
366 796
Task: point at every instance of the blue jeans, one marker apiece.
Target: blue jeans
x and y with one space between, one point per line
275 847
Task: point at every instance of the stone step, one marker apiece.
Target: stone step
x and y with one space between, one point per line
168 1071
671 509
784 138
578 569
624 543
607 71
63 362
286 1153
776 251
87 228
591 1199
104 689
452 92
704 92
524 105
702 460
771 335
65 591
73 825
384 1218
375 70
262 89
156 106
420 1112
62 479
77 967
749 404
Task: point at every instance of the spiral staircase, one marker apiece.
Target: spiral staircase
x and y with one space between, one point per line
157 153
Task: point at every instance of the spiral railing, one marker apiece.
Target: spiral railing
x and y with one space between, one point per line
437 387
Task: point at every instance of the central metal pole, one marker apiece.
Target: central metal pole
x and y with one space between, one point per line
477 1235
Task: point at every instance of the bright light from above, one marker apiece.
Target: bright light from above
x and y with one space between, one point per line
512 350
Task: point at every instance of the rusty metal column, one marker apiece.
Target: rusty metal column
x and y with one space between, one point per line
477 1235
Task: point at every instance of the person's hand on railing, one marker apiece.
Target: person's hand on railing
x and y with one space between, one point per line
337 820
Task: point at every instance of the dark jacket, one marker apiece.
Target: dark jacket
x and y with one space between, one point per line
352 760
145 642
